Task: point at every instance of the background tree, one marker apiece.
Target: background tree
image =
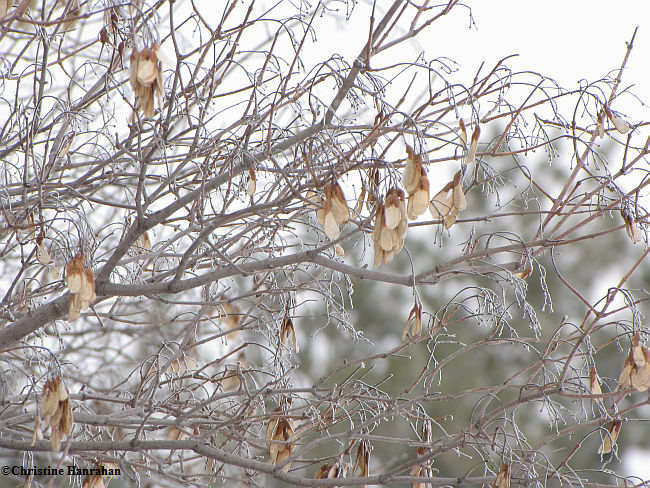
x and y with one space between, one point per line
228 259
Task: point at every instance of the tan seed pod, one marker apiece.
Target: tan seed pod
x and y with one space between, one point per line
52 273
230 379
619 124
326 215
252 183
362 197
393 207
62 392
631 228
321 213
50 399
362 460
462 131
419 201
74 274
280 458
638 356
525 273
230 315
412 171
273 422
624 377
450 218
133 71
413 326
503 477
640 378
87 293
146 78
594 382
287 332
280 430
339 206
147 69
328 471
401 230
67 421
609 439
322 472
460 203
71 14
373 185
340 252
55 420
442 203
331 227
389 239
419 471
473 146
379 223
74 309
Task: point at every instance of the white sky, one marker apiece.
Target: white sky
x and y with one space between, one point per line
567 40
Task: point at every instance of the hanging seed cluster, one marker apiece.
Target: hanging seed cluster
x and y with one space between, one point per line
146 79
56 412
334 211
390 227
81 283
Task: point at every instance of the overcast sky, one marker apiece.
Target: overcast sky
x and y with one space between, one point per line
568 40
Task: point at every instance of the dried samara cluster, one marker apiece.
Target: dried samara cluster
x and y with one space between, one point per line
81 283
636 369
398 207
56 412
416 184
334 211
146 79
449 202
423 469
279 433
391 219
390 227
337 470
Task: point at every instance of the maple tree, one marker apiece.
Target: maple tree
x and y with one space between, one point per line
195 202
